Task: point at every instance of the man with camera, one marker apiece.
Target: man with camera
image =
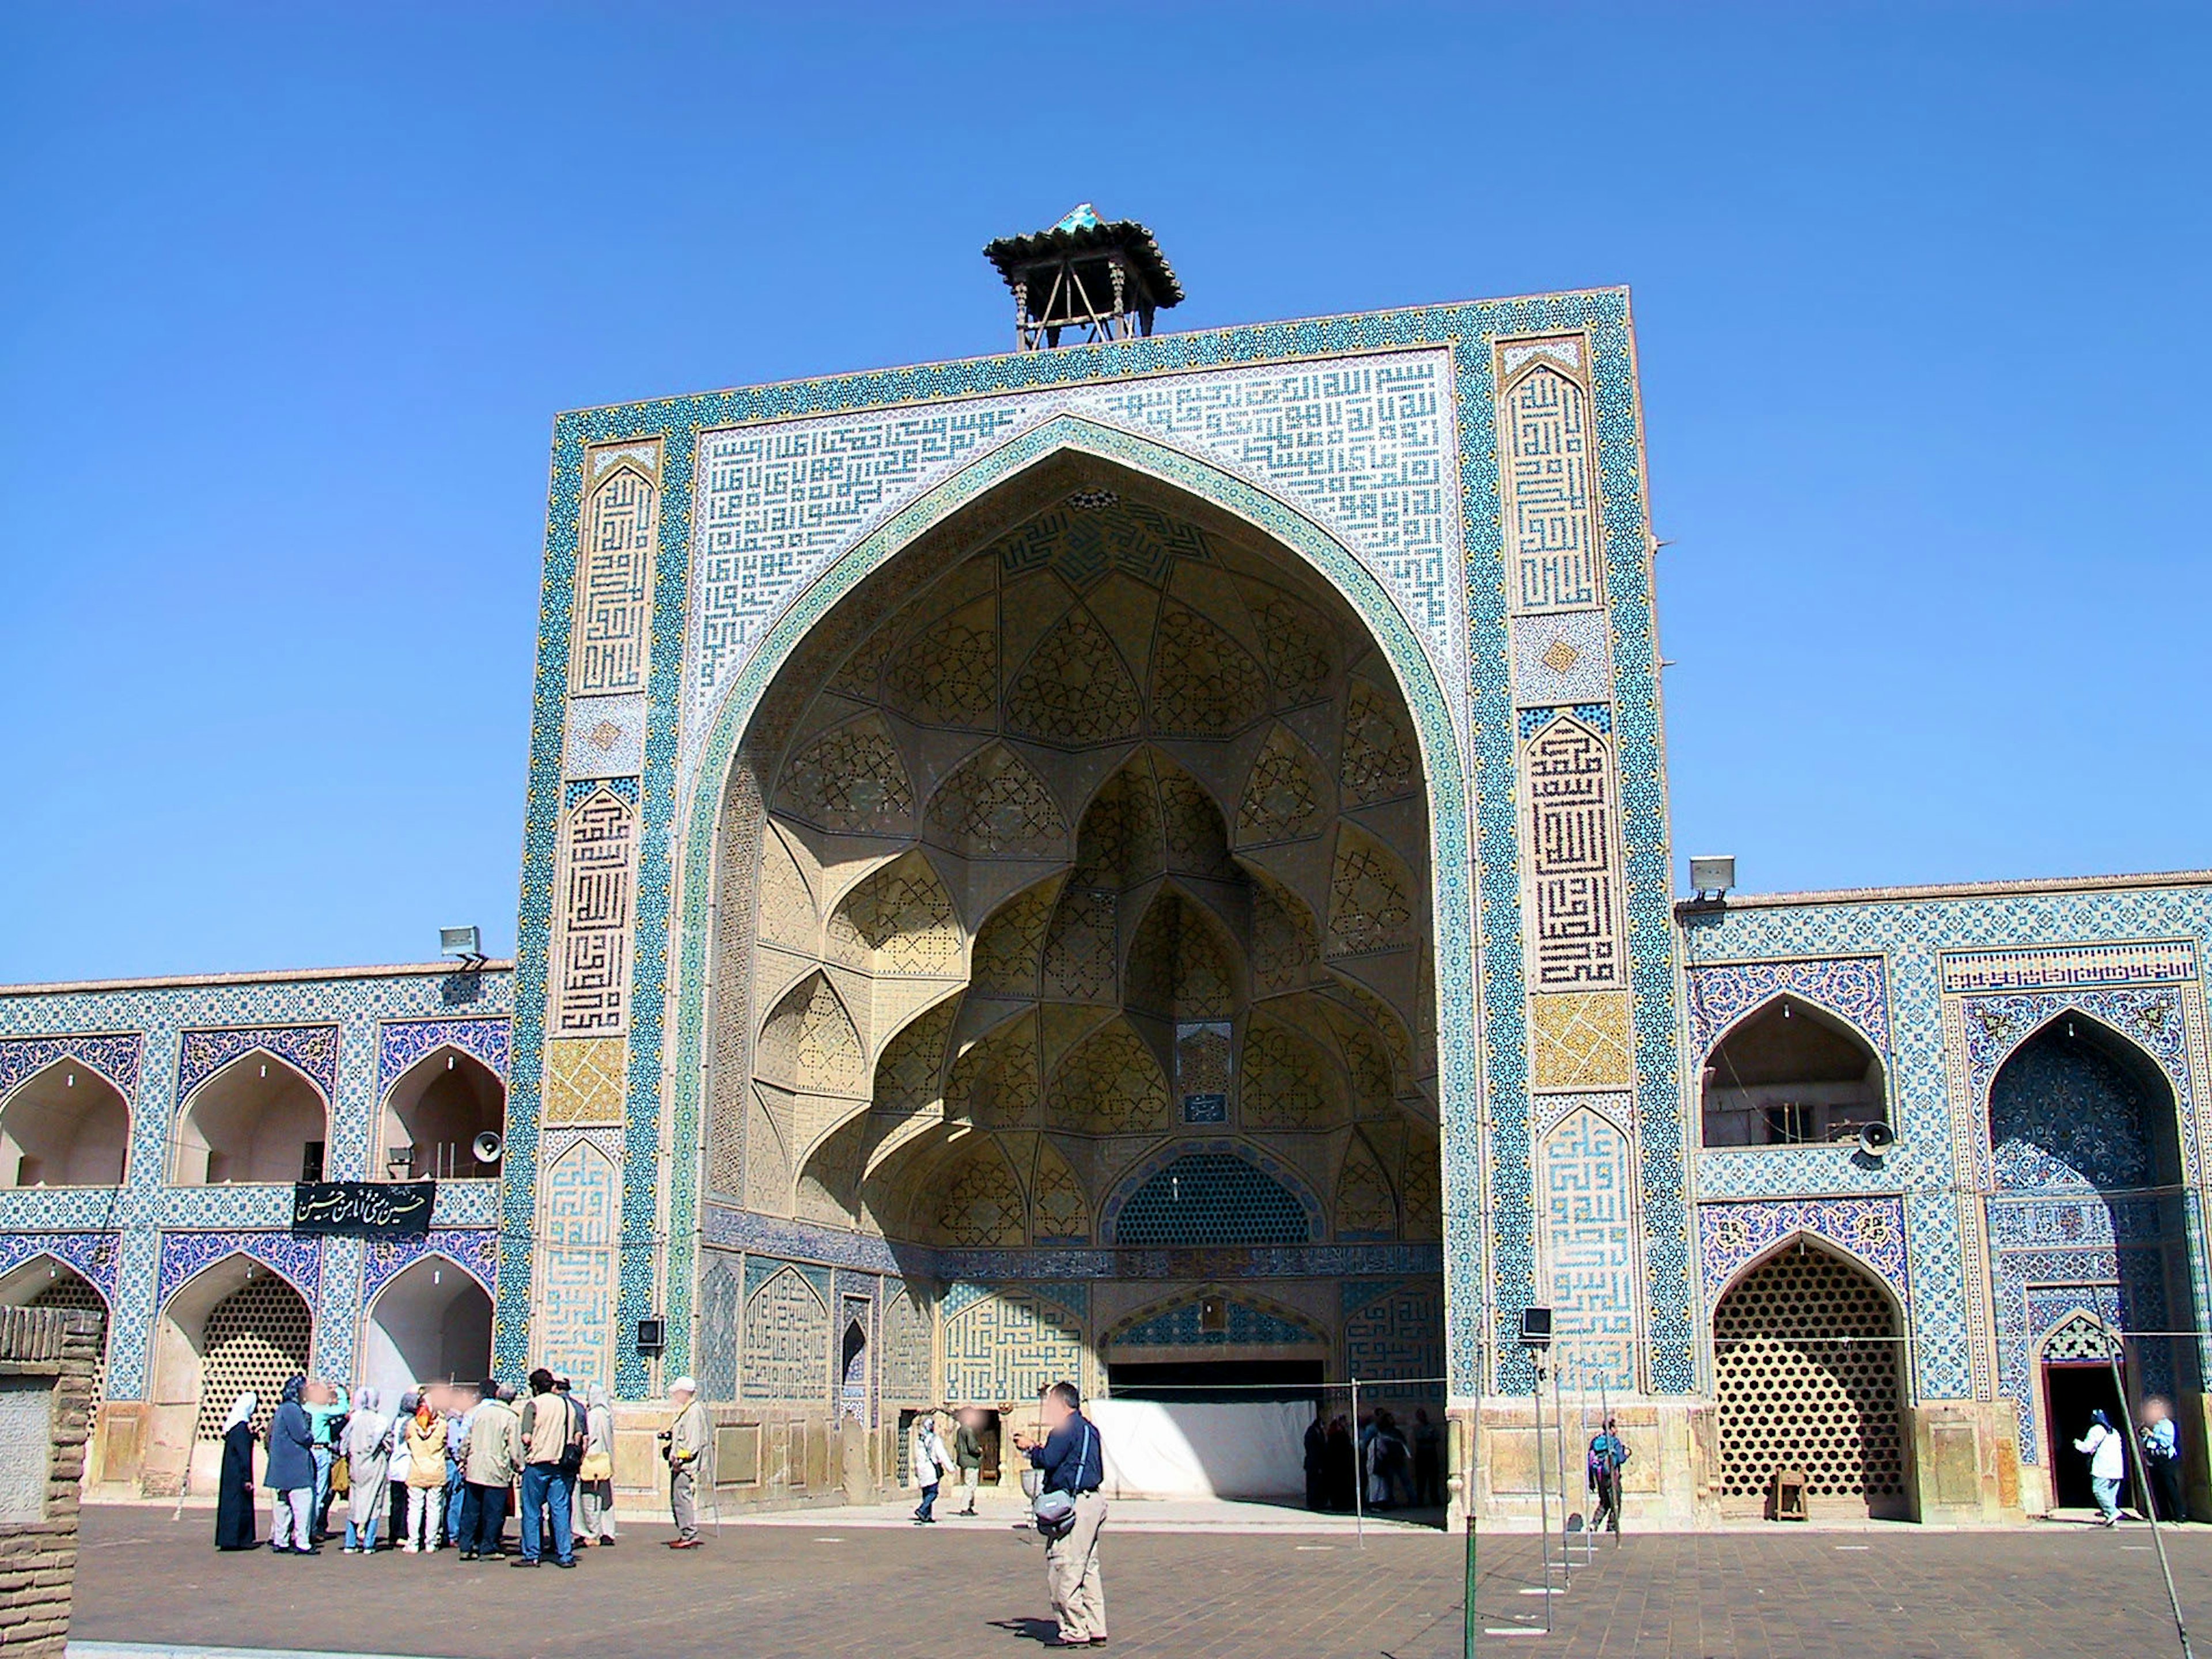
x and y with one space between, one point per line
1070 1512
683 1443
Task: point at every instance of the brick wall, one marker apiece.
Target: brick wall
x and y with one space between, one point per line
46 1359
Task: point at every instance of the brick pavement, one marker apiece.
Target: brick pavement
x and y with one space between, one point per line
978 1589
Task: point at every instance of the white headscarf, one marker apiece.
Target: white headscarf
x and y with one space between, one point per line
242 1410
365 1428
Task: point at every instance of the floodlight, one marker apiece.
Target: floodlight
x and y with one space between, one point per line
1712 875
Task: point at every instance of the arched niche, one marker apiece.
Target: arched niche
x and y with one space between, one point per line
258 1119
432 1115
430 1323
66 1126
1808 1372
1790 1073
1072 687
2077 1106
235 1324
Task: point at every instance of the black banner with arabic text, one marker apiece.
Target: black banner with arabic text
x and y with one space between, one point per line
383 1209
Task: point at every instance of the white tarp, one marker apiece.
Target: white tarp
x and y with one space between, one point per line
1251 1448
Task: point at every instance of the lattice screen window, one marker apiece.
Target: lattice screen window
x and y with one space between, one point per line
256 1338
1806 1362
74 1293
2080 1337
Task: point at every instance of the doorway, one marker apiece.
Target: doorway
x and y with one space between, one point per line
2071 1390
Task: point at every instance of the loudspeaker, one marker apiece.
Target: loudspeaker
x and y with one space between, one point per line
652 1335
1876 1139
487 1146
1536 1328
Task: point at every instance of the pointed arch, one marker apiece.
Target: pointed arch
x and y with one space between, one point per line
850 780
1365 1205
259 1118
1110 1082
1182 963
1790 1070
66 1125
1214 1316
1364 594
1211 1191
809 1041
434 1111
899 919
429 1321
2077 1103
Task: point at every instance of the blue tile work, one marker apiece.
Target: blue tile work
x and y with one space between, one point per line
1731 1236
475 1250
1968 977
1850 988
114 1055
403 1042
1091 396
156 1040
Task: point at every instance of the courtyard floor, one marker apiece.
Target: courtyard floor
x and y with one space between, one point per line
977 1588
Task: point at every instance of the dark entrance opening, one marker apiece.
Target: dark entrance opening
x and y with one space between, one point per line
2070 1392
1217 1382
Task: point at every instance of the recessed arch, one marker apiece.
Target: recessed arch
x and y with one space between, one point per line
1789 1071
1214 1316
2078 1104
235 1324
432 1115
790 715
430 1322
259 1118
65 1125
1808 1372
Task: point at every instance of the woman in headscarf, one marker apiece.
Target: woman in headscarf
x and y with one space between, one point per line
291 1474
396 1468
425 1435
368 1457
233 1503
595 1481
2107 1466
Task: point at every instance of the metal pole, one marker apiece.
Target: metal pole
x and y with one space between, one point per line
1559 1446
1543 1504
2142 1487
1467 1499
1358 1471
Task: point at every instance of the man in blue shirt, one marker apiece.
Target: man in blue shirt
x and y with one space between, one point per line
2161 1458
1073 1462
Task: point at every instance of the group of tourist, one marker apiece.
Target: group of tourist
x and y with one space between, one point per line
2106 1448
441 1468
1382 1465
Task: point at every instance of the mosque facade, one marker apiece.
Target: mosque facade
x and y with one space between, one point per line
1148 862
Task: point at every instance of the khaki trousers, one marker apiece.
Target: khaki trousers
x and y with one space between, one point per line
1071 1566
680 1486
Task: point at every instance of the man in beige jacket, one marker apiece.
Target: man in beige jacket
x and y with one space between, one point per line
686 1440
489 1463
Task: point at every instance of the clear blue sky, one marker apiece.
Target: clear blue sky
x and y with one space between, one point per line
291 295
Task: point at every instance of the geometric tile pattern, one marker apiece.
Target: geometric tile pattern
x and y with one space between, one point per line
1581 1040
1589 1246
1574 866
1561 658
163 1039
1871 1230
584 1080
606 737
475 1250
401 1043
1941 959
614 577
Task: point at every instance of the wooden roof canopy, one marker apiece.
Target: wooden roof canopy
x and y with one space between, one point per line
1105 278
